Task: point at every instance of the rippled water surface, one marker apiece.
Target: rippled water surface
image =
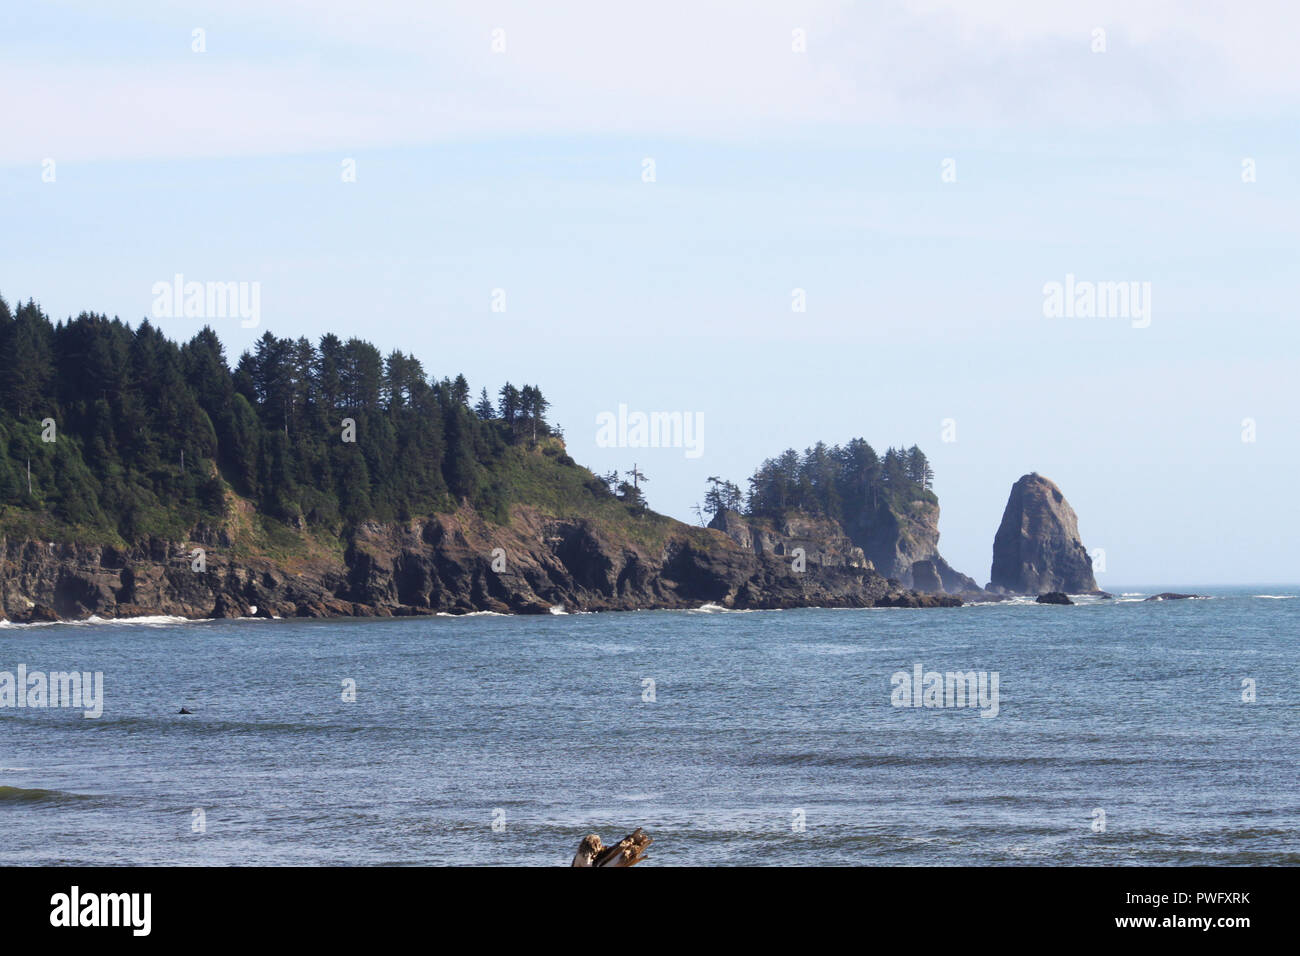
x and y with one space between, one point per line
1130 707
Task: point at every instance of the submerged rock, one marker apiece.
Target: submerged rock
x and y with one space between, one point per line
1053 597
1173 596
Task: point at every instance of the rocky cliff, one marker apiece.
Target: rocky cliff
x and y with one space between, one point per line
823 541
904 544
1037 547
454 563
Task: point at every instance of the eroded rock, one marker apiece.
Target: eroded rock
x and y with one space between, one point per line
1037 547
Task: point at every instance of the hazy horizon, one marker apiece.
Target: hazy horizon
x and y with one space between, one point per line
921 171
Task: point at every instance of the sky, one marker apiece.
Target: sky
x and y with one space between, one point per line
921 171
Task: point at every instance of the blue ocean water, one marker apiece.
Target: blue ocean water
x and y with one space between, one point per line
760 721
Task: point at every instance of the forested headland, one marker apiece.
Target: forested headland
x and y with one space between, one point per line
105 428
326 478
119 433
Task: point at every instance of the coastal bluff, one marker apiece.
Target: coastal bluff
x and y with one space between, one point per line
456 563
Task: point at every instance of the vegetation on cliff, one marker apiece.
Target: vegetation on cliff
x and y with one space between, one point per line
109 433
883 502
323 479
845 483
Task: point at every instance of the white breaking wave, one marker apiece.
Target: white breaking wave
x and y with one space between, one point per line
151 619
1274 597
145 620
719 609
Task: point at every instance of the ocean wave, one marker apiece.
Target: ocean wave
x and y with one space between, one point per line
1274 597
38 795
144 620
603 648
155 620
867 761
711 608
830 650
201 724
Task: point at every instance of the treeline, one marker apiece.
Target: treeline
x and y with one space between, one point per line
847 483
109 427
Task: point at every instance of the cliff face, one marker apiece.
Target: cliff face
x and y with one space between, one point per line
1037 547
454 563
895 540
823 540
904 545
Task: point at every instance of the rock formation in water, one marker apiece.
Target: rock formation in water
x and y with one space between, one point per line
1037 547
1054 597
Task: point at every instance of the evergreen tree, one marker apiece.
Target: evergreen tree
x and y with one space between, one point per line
508 403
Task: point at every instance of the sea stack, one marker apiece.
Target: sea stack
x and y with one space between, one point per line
1037 547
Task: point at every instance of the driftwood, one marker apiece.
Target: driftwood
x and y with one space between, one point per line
628 851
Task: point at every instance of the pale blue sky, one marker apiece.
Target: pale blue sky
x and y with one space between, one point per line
775 170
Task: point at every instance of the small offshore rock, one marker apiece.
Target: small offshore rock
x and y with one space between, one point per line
1053 597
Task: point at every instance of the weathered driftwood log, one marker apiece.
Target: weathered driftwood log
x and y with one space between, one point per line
628 851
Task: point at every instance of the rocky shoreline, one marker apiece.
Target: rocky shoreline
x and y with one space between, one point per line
533 563
457 563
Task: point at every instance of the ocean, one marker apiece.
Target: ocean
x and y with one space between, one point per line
734 738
